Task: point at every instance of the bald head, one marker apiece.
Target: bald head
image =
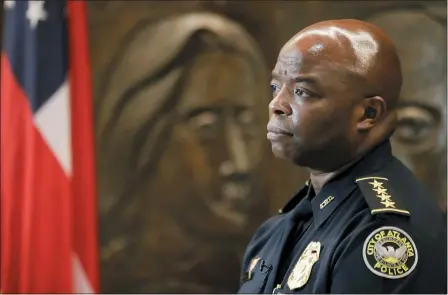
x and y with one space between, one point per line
335 87
358 49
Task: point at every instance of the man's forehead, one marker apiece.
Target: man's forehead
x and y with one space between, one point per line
290 56
288 62
293 62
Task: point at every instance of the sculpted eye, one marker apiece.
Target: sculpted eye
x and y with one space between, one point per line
414 124
205 124
246 117
417 129
413 129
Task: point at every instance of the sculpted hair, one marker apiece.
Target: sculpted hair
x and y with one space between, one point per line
136 105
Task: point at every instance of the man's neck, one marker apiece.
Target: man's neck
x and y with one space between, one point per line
319 178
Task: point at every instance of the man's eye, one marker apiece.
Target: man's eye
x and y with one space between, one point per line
275 88
300 92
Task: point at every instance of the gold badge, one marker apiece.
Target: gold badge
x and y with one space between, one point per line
302 270
390 252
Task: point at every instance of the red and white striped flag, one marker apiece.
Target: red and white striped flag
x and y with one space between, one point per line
48 189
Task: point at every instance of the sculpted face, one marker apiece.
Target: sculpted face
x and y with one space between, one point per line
316 106
180 143
218 135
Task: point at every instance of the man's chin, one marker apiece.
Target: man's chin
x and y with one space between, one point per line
280 152
295 157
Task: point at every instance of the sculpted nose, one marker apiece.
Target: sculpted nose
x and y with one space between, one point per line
236 145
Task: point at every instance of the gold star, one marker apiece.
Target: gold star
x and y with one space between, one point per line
380 190
383 197
376 184
388 204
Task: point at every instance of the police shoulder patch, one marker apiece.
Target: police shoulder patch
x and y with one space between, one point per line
379 195
390 252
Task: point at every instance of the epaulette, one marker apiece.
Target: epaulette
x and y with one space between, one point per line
380 196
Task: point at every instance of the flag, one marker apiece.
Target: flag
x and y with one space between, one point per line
48 193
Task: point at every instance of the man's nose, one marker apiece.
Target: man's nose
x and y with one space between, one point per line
280 104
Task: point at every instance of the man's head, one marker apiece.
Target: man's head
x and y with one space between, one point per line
335 87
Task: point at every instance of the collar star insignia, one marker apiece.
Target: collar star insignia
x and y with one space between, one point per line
376 184
384 197
388 204
380 190
379 194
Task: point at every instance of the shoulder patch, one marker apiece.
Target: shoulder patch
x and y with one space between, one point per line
390 252
379 195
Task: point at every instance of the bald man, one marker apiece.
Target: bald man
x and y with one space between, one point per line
362 223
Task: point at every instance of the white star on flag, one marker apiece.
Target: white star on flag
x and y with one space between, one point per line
36 12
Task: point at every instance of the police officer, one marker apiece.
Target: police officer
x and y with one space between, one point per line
362 223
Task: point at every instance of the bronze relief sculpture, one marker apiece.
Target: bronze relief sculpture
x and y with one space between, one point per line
180 118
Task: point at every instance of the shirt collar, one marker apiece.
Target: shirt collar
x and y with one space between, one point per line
339 188
298 196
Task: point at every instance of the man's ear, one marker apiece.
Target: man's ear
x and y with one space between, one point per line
374 110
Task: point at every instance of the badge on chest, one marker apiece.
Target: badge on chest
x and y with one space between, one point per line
302 270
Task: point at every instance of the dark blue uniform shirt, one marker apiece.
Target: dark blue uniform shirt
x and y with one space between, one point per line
372 229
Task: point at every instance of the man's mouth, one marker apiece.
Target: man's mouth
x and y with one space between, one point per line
277 132
277 136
